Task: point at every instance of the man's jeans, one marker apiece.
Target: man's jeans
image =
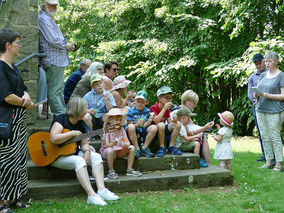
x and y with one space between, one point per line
55 86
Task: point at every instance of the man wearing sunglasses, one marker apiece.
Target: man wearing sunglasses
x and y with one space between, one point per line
111 70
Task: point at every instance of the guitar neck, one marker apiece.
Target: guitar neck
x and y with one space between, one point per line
84 136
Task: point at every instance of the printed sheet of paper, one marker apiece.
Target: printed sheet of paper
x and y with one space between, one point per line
255 90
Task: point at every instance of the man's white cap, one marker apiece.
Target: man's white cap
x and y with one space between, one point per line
53 2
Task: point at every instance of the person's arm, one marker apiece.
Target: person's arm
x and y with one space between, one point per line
17 101
275 97
56 135
117 98
250 84
85 148
191 138
160 116
201 129
218 137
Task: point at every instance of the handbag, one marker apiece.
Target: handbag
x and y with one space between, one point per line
6 120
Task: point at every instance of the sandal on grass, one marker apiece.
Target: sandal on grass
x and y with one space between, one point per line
112 175
265 166
5 209
277 169
19 204
132 172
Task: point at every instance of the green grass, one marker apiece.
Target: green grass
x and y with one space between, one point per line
254 190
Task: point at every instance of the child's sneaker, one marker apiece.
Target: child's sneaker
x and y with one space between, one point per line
105 194
146 152
161 152
202 164
174 151
96 200
132 172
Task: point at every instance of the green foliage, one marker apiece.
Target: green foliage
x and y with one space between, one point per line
204 45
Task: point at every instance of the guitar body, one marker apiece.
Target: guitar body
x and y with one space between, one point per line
43 152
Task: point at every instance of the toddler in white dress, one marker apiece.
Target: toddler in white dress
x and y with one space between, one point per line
223 151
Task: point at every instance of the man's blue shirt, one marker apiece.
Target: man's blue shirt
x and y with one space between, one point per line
71 83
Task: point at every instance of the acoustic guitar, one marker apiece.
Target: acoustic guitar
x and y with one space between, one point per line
43 152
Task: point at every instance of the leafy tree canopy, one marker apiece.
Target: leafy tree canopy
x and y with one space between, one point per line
203 45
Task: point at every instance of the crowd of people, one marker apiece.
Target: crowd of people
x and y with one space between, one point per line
97 98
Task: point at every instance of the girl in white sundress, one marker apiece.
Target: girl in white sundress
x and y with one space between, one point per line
223 151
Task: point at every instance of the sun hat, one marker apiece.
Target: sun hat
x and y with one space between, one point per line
227 117
95 77
185 111
257 57
120 82
114 112
142 94
53 2
164 90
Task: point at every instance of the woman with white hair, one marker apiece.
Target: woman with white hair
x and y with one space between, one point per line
270 111
84 85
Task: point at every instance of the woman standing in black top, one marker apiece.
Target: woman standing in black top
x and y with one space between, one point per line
13 151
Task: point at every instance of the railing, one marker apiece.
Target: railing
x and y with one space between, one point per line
2 1
25 60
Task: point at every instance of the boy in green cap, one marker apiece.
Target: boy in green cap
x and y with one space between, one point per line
139 125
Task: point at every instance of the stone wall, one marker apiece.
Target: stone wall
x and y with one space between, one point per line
22 15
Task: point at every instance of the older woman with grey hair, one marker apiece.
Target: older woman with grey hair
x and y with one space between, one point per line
84 154
270 111
84 86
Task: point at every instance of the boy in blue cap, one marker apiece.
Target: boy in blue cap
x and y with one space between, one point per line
167 128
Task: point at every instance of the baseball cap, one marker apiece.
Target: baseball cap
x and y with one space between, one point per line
142 94
164 90
257 57
95 77
185 111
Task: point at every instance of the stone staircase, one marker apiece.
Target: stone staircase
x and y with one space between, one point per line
169 172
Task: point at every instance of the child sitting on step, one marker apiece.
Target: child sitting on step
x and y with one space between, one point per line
184 142
223 151
115 143
139 125
168 129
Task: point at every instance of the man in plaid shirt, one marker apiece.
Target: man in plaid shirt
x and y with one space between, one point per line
52 42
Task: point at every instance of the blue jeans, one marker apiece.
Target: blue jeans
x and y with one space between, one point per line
55 85
258 131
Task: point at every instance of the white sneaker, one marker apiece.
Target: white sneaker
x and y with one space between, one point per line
96 200
107 195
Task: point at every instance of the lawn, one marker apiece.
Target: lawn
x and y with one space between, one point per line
254 190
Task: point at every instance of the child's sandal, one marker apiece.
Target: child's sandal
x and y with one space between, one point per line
132 172
112 175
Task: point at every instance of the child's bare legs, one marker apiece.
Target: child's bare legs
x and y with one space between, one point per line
151 132
205 150
131 130
196 148
229 165
110 159
223 164
161 133
174 128
131 153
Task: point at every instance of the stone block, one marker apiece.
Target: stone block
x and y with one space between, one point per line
33 17
20 7
34 3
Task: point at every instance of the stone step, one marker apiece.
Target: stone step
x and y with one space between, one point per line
168 162
153 181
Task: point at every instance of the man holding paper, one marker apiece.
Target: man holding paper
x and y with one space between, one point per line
258 60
